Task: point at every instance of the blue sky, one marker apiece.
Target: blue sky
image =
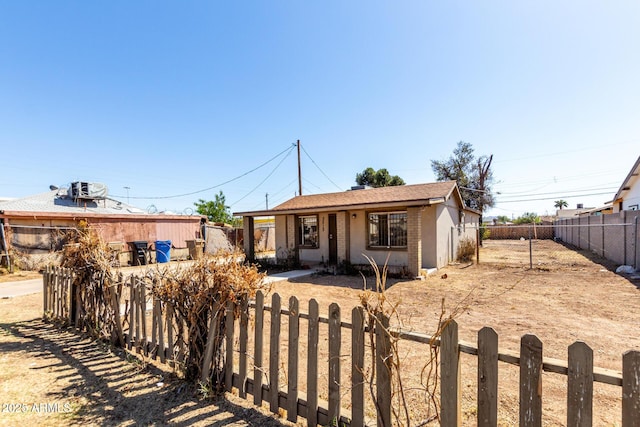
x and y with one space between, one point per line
173 98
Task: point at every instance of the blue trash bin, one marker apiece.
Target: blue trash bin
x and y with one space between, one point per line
163 251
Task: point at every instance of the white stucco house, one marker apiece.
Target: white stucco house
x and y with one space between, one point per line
415 227
628 196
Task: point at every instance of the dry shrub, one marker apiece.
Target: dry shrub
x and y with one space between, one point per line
199 295
466 249
96 282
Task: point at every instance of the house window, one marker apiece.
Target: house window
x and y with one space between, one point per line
308 230
388 229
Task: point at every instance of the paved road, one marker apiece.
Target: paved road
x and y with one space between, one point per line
21 287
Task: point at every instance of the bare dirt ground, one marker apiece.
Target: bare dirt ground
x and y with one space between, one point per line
55 377
567 296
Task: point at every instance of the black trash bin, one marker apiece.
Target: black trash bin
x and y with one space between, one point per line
139 252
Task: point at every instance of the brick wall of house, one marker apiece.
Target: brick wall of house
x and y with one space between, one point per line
414 240
342 231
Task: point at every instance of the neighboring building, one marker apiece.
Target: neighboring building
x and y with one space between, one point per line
602 210
411 227
628 196
36 224
570 213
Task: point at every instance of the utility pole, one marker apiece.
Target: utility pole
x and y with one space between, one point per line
266 197
127 188
299 172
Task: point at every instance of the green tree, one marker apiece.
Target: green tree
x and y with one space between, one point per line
561 204
528 218
502 219
215 210
473 175
378 178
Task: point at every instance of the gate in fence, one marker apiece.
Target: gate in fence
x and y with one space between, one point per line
355 361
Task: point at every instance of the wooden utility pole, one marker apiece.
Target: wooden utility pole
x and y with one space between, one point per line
299 172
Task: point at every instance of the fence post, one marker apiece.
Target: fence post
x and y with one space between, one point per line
229 329
292 389
383 371
45 289
530 381
312 364
487 378
244 338
530 250
631 389
357 369
335 336
257 355
212 337
580 385
450 413
274 354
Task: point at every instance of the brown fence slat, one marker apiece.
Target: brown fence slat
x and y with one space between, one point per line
335 341
450 413
45 290
130 314
212 333
244 332
292 374
154 331
143 316
487 378
312 364
580 385
229 329
357 368
274 354
158 313
170 341
258 346
631 389
530 381
383 371
79 308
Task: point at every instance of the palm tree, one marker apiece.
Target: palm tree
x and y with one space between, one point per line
561 204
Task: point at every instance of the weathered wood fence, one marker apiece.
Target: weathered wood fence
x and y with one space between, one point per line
245 365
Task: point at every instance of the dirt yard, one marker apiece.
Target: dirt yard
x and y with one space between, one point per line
567 296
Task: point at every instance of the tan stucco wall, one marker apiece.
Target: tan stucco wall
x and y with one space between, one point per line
358 244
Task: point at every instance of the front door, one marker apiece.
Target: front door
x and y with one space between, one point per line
333 240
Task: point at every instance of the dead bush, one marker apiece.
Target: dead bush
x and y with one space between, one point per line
199 295
466 249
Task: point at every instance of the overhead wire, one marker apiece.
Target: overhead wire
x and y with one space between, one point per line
321 171
287 151
263 181
554 197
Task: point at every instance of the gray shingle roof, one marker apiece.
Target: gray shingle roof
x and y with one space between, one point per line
57 201
403 195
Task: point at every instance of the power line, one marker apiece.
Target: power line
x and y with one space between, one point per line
262 182
325 175
218 185
551 198
565 191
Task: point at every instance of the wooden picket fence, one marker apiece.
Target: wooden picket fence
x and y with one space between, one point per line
246 351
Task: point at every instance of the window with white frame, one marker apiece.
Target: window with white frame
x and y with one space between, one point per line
308 231
387 229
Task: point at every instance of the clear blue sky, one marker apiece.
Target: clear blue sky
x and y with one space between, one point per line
169 98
